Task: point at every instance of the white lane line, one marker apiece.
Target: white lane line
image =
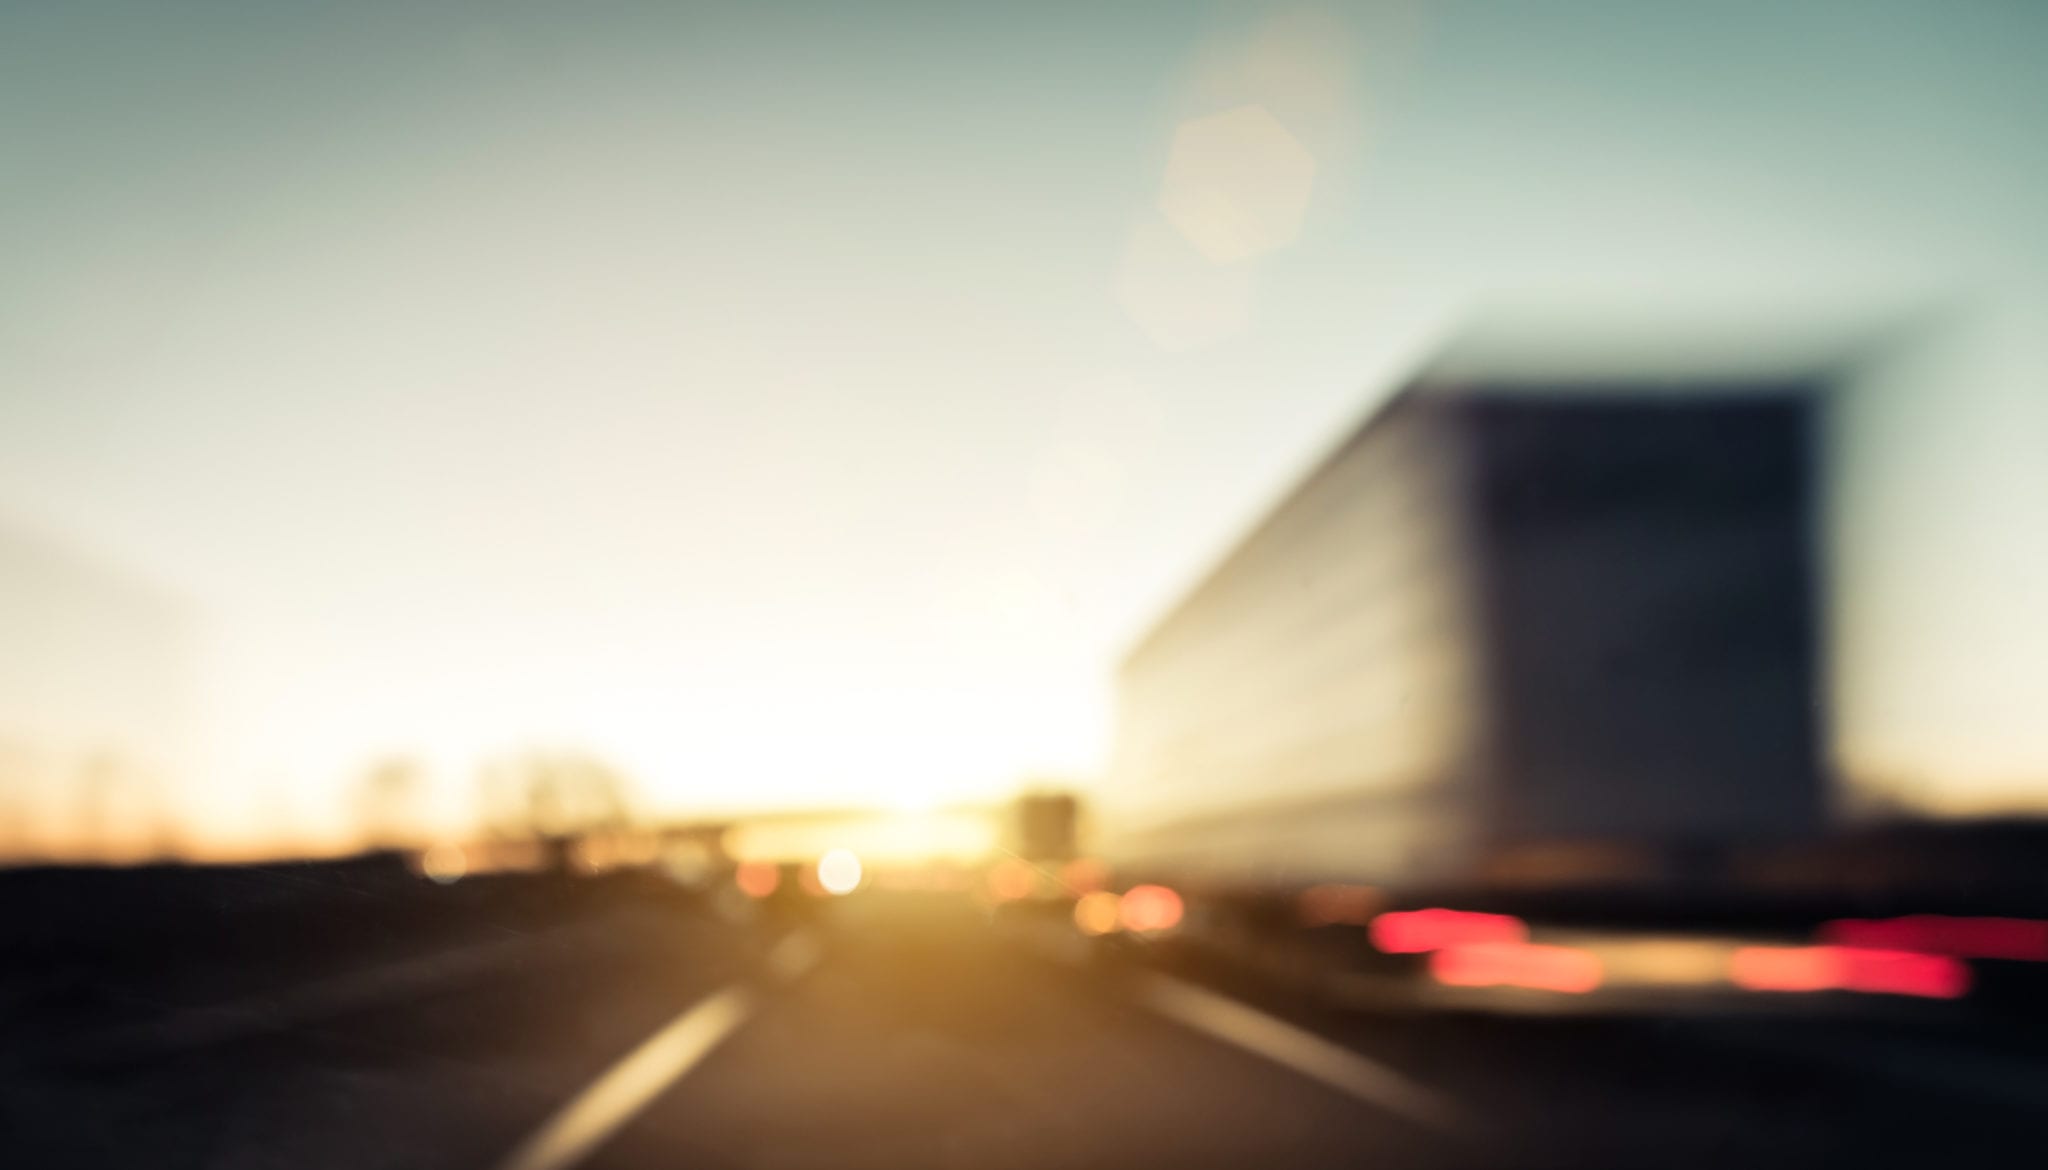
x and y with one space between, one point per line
594 1115
1303 1052
620 1094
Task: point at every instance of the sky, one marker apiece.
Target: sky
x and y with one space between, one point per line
803 403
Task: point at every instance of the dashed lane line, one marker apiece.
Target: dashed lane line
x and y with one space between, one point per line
628 1087
1303 1052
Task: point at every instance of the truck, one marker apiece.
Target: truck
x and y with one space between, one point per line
1526 678
1544 645
1043 826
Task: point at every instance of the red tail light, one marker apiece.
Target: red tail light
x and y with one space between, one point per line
1411 932
1825 968
757 879
1517 964
1149 909
2023 939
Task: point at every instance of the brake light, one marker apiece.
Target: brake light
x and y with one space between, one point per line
1149 909
1517 964
1830 968
1411 932
2023 939
757 879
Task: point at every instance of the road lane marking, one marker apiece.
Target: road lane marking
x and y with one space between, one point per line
628 1087
621 1093
1303 1052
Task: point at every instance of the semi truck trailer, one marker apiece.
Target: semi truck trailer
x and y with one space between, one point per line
1523 684
1508 638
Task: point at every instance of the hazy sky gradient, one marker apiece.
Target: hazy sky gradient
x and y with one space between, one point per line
744 390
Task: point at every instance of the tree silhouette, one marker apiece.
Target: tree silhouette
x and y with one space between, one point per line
554 795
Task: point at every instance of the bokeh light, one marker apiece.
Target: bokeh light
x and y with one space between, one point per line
839 872
1011 879
1149 909
445 864
1237 184
687 863
757 879
1097 913
1178 297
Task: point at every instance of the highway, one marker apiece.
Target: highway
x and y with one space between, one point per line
909 1032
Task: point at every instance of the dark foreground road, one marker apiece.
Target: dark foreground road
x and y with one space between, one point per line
911 1034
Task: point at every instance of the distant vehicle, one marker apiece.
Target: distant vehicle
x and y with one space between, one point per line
1510 640
1045 826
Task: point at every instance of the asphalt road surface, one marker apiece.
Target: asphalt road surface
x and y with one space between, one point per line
908 1033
